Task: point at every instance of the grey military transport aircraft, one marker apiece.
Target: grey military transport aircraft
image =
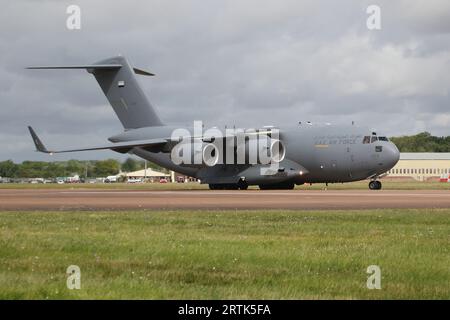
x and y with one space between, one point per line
302 152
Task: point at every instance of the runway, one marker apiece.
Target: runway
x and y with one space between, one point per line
85 199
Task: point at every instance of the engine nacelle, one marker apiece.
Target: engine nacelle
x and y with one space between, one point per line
277 150
253 150
210 154
262 150
196 154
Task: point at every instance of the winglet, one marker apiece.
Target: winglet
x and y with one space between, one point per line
37 142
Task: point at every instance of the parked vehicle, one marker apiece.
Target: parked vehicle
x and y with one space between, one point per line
132 180
111 179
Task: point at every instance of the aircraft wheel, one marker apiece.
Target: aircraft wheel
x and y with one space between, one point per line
278 186
290 186
242 185
375 185
223 186
232 187
286 186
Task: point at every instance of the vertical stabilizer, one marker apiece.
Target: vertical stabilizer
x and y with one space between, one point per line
119 84
123 92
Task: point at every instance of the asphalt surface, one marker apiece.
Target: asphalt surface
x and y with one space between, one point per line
85 199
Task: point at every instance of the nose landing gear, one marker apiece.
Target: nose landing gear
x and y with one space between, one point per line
375 185
242 184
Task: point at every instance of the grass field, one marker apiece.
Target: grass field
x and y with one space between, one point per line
226 254
387 184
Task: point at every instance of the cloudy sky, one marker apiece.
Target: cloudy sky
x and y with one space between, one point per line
248 63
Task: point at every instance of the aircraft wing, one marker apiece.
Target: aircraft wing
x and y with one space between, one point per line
122 147
207 138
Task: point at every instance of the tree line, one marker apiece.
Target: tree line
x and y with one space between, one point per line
422 142
91 168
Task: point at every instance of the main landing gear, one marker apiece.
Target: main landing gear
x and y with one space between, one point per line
277 186
374 185
241 185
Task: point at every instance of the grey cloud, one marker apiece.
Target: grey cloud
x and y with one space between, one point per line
245 63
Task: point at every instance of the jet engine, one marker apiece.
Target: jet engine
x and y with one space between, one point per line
253 150
196 154
262 150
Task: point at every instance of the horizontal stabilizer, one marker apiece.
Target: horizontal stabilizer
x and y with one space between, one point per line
119 147
90 67
87 66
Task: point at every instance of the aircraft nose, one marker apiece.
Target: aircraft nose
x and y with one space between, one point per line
392 155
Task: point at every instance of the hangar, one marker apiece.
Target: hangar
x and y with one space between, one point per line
150 174
422 165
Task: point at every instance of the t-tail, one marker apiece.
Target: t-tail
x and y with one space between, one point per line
119 84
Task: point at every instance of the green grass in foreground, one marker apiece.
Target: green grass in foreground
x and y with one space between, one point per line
226 254
363 185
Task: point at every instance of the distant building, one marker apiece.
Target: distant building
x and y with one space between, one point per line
150 174
422 165
178 177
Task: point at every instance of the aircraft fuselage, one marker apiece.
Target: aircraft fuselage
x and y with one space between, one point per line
314 154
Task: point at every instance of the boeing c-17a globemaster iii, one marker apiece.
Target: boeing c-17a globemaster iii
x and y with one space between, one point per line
272 157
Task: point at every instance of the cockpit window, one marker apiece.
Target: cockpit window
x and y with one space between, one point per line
372 139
